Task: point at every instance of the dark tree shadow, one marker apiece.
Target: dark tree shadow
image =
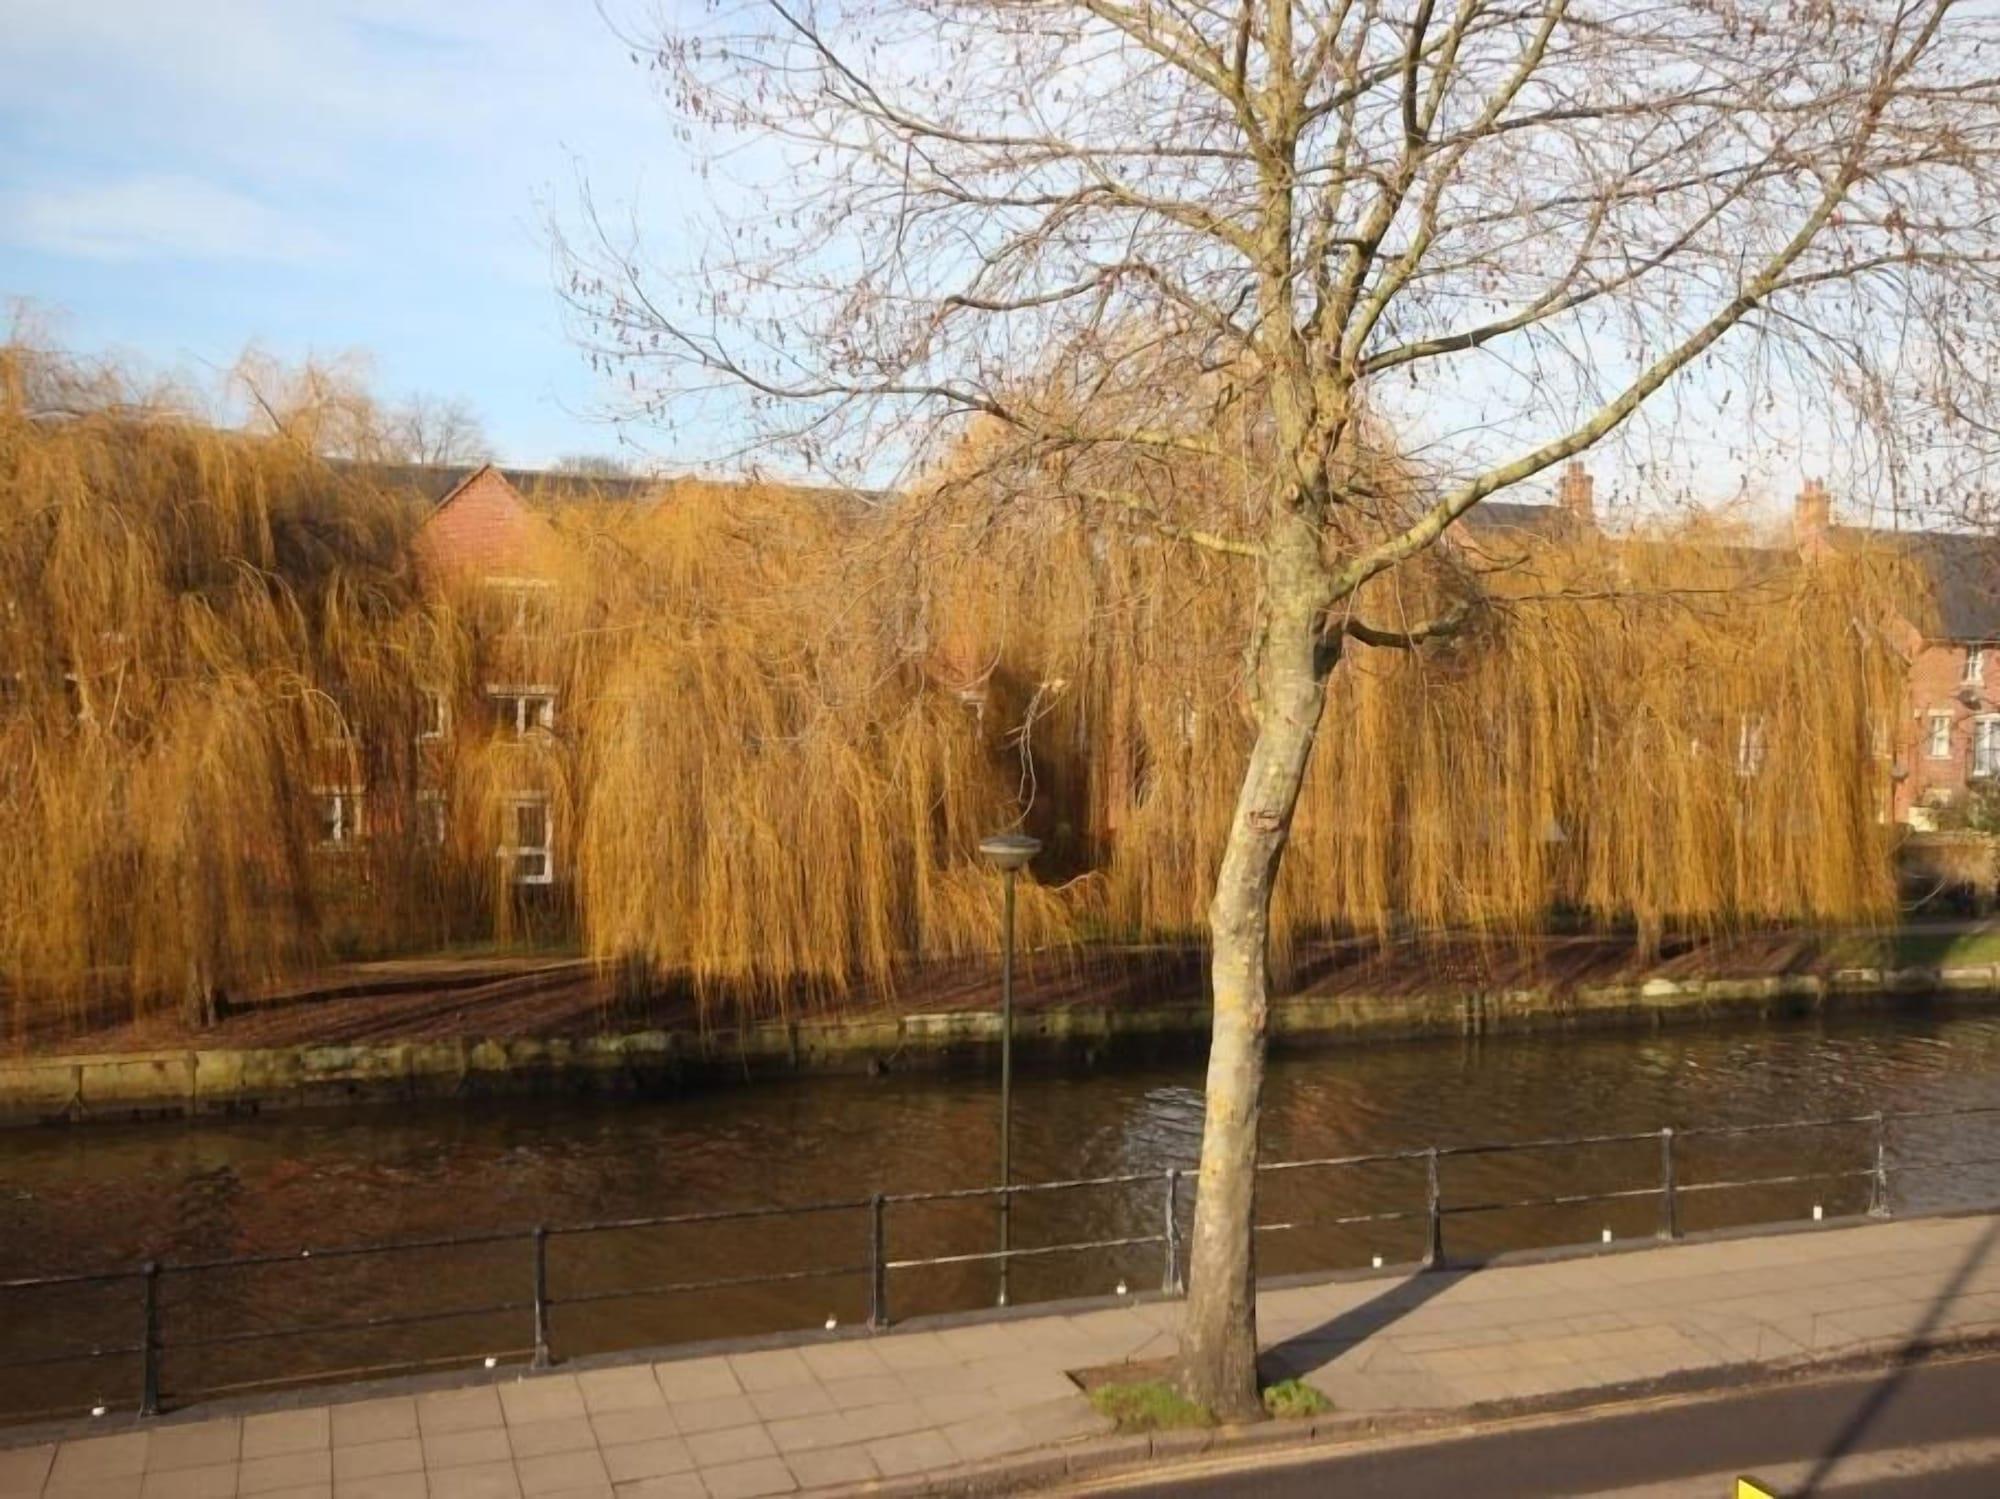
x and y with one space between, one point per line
1920 1343
1303 1352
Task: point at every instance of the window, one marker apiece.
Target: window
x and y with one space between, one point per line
523 709
529 856
1937 742
524 606
433 714
433 817
1975 666
338 817
1986 747
1750 745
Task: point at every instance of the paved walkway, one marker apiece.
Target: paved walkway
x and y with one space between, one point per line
843 1412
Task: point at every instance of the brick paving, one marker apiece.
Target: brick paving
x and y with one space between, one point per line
840 1413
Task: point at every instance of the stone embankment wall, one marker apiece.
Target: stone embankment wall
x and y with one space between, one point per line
159 1084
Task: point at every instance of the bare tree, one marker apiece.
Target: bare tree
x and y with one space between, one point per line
596 466
433 430
1503 230
328 406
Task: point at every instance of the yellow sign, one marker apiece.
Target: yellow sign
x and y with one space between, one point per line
1749 1488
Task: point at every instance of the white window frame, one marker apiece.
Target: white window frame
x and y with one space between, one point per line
526 720
436 719
1752 744
349 818
513 853
1937 736
434 816
520 592
1983 761
1974 674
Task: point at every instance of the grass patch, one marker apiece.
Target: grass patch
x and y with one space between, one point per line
1148 1405
1294 1400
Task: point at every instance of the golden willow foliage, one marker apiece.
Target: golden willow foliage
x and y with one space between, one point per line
782 720
1670 730
777 797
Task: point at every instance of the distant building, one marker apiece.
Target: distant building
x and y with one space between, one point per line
1944 742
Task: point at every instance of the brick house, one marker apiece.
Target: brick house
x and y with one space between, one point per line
1946 741
484 542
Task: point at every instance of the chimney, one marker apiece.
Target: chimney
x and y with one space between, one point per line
1573 494
1812 513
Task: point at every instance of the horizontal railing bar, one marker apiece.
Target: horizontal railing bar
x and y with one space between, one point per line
1838 1121
1859 1173
91 1278
1018 1189
39 1360
1375 1158
1987 1108
1022 1254
1564 1200
345 1252
1978 1160
722 1215
1553 1142
365 1324
677 1288
1348 1220
354 1371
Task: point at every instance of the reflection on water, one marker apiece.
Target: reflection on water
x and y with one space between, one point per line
111 1196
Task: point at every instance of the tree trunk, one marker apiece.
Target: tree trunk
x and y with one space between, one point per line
1219 1333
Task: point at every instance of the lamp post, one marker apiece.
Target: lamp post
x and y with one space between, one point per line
1009 853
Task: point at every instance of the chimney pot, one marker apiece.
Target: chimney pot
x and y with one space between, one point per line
1812 514
1574 493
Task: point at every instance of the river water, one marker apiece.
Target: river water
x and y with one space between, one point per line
110 1196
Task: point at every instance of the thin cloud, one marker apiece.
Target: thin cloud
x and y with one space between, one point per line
158 216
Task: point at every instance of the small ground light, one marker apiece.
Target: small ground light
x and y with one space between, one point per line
1607 1236
1819 1213
492 1362
98 1410
1121 1288
832 1323
1378 1262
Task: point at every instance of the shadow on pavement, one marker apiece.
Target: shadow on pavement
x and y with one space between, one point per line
1306 1351
1879 1397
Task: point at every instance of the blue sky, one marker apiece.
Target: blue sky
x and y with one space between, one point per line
178 181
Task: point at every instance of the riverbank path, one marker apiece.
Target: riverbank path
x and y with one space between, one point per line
993 1401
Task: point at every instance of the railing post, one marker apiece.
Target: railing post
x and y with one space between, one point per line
1170 1281
1434 1212
149 1347
1878 1180
1670 1208
542 1359
878 1269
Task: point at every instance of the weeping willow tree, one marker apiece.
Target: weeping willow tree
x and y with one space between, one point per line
779 798
244 731
216 664
1678 727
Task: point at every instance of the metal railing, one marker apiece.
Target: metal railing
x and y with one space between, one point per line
1669 1188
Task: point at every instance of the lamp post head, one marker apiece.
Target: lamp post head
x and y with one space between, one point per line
1009 851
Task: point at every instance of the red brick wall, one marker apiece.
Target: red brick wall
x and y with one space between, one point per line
484 528
1936 685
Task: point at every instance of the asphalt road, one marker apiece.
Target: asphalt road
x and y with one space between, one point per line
1929 1430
